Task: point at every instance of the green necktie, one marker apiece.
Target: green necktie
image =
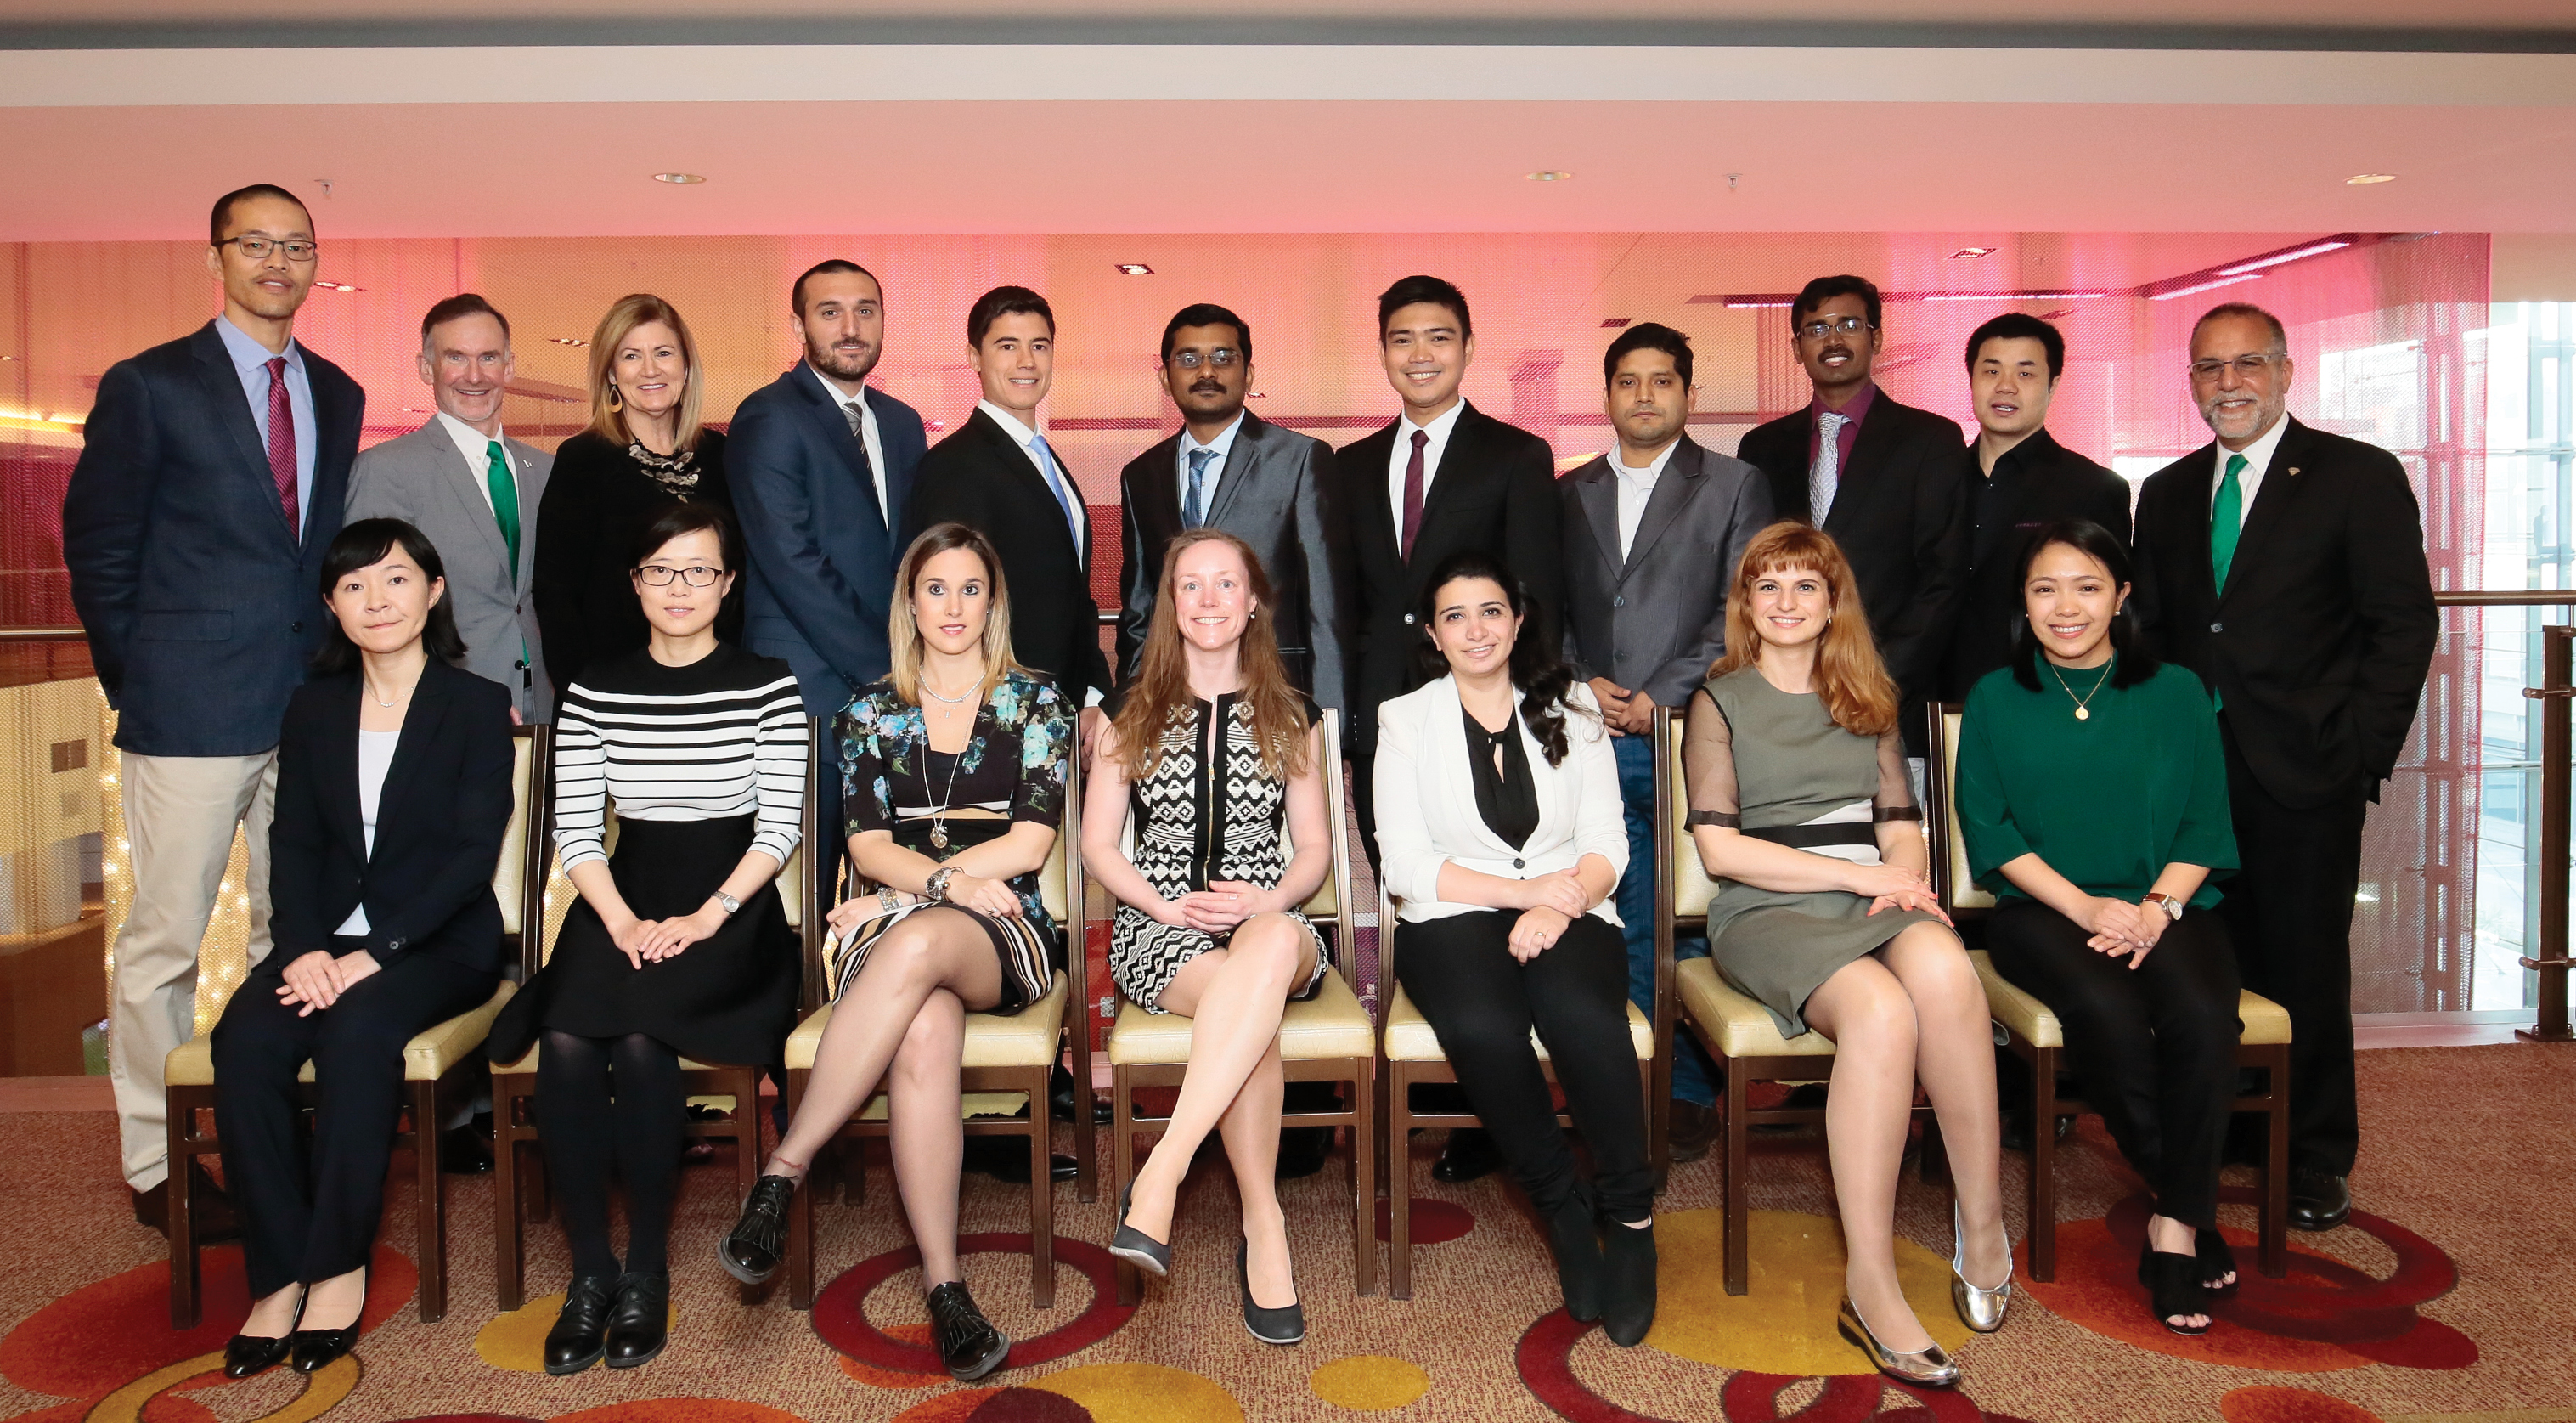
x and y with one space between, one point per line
2226 523
505 502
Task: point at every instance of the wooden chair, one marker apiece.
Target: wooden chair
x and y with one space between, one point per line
2034 1035
518 1190
432 1063
1006 1057
1735 1029
1329 1039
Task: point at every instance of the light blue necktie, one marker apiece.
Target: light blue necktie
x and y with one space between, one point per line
1064 495
1193 509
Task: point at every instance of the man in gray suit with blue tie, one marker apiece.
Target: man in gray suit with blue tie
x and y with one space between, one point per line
461 480
1653 529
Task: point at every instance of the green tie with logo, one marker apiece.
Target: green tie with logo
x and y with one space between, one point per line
505 502
2226 522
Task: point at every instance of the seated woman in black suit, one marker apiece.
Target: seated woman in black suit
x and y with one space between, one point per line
393 794
1501 828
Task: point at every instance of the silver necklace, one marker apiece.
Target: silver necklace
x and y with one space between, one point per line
2082 702
939 811
371 695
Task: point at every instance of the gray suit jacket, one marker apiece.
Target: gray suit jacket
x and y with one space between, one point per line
423 478
1657 619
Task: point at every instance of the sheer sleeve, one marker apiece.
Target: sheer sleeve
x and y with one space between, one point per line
866 801
1708 765
1895 798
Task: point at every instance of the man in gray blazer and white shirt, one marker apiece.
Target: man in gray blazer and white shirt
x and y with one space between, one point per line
474 491
1653 529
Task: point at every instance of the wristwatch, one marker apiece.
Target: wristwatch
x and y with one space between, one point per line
937 885
732 906
2166 902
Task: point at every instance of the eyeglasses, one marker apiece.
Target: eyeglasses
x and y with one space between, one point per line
654 575
258 248
1839 326
2246 366
1221 358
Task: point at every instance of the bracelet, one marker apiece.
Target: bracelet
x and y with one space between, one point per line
886 898
937 885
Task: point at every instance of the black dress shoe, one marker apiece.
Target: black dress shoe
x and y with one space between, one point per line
1303 1152
1283 1326
640 1322
1006 1159
1694 1130
248 1354
580 1334
210 1210
967 1342
2319 1200
1135 1246
465 1149
1470 1155
1628 1282
1061 1104
750 1252
317 1349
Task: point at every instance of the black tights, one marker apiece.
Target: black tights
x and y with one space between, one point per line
586 1125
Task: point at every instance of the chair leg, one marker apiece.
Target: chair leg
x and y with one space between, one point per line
186 1283
747 1153
509 1207
1086 1137
2042 1227
429 1224
1399 1186
1041 1194
800 1214
1363 1182
2276 1168
1122 1167
1739 1245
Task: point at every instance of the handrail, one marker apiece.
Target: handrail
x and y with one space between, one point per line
69 634
2506 598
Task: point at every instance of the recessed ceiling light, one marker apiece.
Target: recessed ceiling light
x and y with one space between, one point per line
568 340
1973 252
337 286
1257 395
1136 269
2363 180
1613 323
1550 175
683 179
2202 286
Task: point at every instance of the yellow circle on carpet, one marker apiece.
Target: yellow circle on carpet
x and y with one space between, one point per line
1784 1321
517 1340
1372 1382
1143 1393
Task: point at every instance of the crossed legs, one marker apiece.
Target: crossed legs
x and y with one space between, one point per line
1912 1011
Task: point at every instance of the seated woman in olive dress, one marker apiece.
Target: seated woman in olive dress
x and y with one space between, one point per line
1214 754
1803 811
2093 797
953 770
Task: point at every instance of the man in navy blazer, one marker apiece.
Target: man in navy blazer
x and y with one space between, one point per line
212 480
822 468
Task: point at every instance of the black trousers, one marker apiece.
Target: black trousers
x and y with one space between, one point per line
2155 1046
306 1220
1482 1003
2289 911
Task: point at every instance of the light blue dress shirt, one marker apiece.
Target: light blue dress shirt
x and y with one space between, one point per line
250 362
1223 445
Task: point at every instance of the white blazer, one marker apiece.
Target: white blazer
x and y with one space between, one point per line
1426 802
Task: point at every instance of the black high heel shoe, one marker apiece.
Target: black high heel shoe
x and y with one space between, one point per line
2173 1284
313 1350
1135 1246
1574 1238
2217 1261
1282 1326
248 1354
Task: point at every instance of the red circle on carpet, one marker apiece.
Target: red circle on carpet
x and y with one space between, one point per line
2264 1404
841 1320
947 1407
1029 1405
162 1407
1545 1360
1433 1222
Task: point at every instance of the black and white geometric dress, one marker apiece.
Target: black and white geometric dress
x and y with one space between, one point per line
1192 828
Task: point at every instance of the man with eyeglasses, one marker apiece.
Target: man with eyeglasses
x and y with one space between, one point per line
2286 566
1884 479
211 482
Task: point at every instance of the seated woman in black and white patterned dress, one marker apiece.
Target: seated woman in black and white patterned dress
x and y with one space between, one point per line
1207 920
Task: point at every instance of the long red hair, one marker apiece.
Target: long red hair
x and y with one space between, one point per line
1161 691
1851 681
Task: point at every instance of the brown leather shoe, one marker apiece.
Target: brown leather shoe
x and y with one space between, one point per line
215 1218
1694 1130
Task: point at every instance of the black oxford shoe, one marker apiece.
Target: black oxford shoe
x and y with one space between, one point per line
2319 1200
750 1252
639 1323
967 1342
580 1334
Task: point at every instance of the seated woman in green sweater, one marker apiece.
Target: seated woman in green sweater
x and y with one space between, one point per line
2093 799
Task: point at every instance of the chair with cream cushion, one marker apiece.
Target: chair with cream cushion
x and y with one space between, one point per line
1008 1060
2034 1034
430 1060
1329 1039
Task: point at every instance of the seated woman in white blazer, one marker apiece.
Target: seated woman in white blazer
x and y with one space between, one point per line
1500 827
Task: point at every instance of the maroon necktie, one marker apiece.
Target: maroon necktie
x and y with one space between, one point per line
281 441
1413 492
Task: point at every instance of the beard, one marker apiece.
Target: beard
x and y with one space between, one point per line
842 365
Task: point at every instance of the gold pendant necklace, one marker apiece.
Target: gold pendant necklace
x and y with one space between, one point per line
2082 703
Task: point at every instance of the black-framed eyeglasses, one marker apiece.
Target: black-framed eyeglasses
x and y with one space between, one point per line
2245 366
258 248
1839 326
654 575
1221 358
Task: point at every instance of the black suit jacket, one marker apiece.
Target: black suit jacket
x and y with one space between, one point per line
2037 482
2319 646
1276 492
201 603
1900 515
1494 490
980 477
440 821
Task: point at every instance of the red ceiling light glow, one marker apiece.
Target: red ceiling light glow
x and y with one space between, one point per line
1136 269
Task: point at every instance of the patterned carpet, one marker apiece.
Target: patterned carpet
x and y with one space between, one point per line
2447 1298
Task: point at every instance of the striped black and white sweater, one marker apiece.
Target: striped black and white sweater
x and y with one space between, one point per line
720 737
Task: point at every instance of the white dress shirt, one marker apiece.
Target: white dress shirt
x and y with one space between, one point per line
867 430
1027 440
1636 486
1439 429
375 757
250 362
1223 444
477 449
2258 458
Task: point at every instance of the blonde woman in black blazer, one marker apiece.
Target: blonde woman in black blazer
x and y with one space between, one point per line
393 794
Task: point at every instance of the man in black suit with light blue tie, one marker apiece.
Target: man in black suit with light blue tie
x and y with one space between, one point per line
822 467
211 481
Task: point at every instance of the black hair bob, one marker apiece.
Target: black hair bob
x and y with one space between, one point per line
1542 680
687 516
2136 663
364 544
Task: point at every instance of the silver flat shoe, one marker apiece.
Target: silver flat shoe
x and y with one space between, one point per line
1927 1368
1980 1309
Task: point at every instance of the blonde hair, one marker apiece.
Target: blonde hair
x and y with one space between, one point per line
1850 681
903 635
1161 693
627 313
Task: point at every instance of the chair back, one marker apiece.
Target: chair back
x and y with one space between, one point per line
1952 882
1684 891
529 747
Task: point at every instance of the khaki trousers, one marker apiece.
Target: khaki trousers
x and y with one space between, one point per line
180 813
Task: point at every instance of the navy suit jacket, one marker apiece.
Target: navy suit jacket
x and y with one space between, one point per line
820 554
201 603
